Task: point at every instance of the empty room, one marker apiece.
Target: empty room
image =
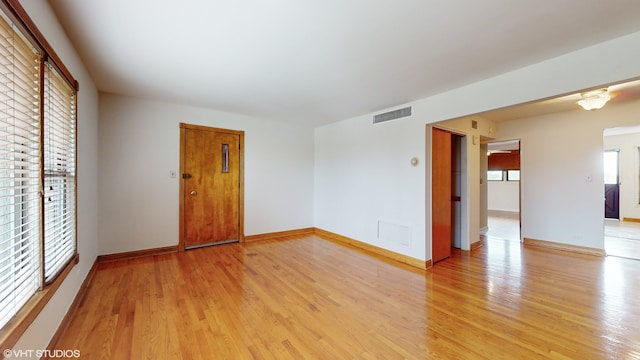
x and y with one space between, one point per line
326 180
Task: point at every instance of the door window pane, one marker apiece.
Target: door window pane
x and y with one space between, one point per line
611 167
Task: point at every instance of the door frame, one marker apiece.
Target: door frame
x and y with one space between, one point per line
240 133
519 140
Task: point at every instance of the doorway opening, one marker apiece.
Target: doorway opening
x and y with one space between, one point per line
503 191
612 184
449 193
621 170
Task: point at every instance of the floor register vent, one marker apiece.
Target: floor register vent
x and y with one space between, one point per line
392 115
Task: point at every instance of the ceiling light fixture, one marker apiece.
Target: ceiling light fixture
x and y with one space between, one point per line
594 100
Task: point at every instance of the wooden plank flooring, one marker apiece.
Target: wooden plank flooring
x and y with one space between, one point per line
309 298
622 238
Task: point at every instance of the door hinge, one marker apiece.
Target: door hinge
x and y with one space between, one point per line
186 176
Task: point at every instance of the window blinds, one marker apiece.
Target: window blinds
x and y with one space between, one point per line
59 173
20 169
37 170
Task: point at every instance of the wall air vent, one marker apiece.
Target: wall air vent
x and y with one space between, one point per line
392 115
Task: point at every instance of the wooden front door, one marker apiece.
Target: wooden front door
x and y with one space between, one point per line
441 194
211 167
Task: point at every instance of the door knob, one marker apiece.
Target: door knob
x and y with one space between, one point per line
193 192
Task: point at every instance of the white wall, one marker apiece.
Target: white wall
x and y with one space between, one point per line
140 144
363 176
362 173
559 153
42 329
602 64
629 171
503 195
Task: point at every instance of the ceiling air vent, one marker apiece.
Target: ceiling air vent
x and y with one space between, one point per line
391 115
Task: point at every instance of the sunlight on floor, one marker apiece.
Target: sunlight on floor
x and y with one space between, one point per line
503 225
622 238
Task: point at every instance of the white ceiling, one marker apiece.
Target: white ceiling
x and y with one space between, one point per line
622 92
316 62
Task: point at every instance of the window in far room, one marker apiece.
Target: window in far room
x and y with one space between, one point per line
495 175
513 175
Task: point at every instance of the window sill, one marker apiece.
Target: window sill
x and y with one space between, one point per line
11 333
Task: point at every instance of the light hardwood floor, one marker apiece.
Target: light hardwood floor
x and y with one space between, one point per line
309 298
504 225
622 238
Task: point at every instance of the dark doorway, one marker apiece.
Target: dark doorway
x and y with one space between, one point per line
612 184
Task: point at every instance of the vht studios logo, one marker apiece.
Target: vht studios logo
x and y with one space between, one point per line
49 354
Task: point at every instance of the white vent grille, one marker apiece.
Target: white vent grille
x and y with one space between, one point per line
394 233
392 115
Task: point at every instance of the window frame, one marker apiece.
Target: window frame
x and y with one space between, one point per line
11 332
495 171
58 132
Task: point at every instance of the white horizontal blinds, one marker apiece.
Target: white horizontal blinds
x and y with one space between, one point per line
59 173
20 151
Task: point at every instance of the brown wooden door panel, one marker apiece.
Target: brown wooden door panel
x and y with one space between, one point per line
441 195
226 188
196 183
211 192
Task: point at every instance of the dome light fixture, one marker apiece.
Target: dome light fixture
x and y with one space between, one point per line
594 100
